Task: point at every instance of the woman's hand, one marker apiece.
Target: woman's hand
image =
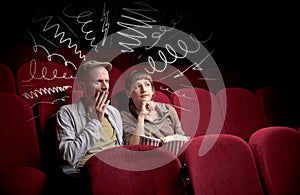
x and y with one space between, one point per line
146 108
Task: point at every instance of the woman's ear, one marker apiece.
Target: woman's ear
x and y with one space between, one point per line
127 93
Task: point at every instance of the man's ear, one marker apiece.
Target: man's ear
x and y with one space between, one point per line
81 84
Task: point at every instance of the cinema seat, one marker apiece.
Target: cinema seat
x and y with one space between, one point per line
138 169
198 110
20 160
277 153
62 178
243 115
7 79
221 164
35 79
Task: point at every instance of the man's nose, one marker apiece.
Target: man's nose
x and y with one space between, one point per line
104 86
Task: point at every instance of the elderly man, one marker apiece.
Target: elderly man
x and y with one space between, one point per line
91 124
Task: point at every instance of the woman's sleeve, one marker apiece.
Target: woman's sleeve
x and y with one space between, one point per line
176 122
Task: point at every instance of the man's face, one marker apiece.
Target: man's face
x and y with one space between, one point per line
95 79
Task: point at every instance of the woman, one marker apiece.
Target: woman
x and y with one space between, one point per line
146 117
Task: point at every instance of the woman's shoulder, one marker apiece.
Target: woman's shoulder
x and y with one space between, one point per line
163 105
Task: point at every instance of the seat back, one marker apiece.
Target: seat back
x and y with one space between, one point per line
221 164
161 97
48 105
276 150
7 79
136 169
18 142
242 112
35 79
198 110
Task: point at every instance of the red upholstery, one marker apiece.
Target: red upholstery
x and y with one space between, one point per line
7 79
277 153
280 106
35 79
242 112
19 147
48 105
198 111
134 170
221 164
22 180
19 142
161 97
114 75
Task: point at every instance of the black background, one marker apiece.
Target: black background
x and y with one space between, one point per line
254 39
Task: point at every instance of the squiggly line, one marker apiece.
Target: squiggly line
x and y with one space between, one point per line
144 25
63 99
177 93
49 56
43 91
59 34
185 109
105 26
32 72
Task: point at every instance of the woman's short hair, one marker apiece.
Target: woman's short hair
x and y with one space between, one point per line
136 75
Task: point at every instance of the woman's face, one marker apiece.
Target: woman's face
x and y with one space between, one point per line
141 90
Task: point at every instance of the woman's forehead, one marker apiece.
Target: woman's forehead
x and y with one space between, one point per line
140 81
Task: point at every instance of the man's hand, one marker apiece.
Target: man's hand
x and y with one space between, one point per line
100 105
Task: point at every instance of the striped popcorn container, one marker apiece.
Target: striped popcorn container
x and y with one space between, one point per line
149 141
174 146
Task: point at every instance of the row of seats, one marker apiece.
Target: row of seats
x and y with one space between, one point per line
211 164
230 110
268 106
29 147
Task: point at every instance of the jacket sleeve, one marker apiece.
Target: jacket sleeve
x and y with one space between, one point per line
75 139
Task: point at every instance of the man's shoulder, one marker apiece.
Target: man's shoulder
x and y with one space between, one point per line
112 109
71 106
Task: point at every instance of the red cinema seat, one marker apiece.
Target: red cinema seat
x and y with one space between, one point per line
7 79
20 160
138 169
198 110
221 164
277 153
35 79
242 112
